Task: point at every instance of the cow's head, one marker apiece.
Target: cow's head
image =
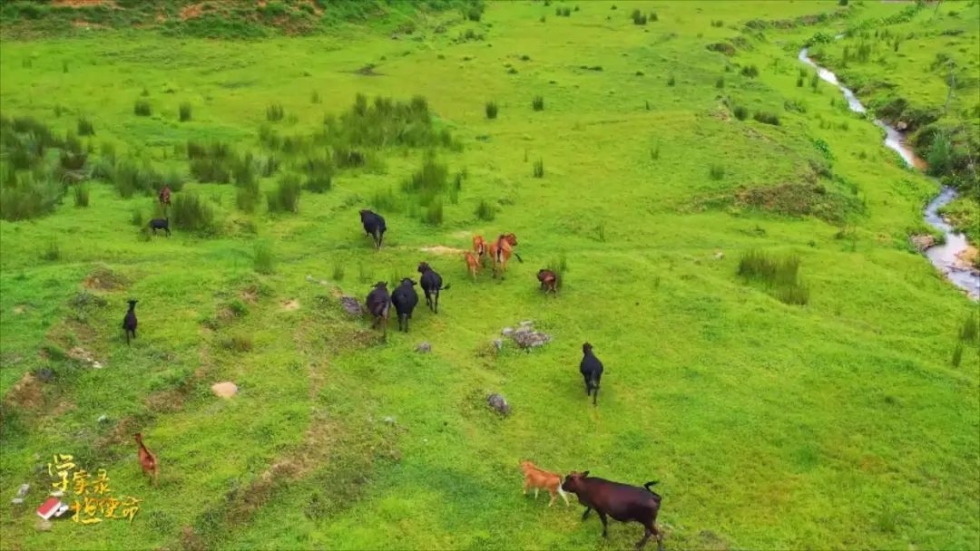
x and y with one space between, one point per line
586 348
381 285
574 482
407 282
424 267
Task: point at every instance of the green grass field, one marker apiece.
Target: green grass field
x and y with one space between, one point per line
839 412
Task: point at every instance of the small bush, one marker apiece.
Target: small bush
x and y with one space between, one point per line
653 16
136 217
671 80
185 112
750 71
486 211
795 106
263 260
210 170
558 265
237 343
781 276
655 153
539 168
274 112
52 252
957 354
338 272
142 108
318 183
766 118
491 110
315 97
433 213
80 194
537 103
799 82
85 127
285 198
190 213
814 81
717 172
741 113
970 330
247 197
720 82
841 2
717 23
638 17
475 12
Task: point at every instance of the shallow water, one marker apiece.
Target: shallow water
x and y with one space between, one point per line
943 257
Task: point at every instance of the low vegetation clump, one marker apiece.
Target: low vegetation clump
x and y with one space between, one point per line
142 108
385 123
274 112
185 112
285 197
429 182
486 211
766 117
780 276
491 110
191 214
29 196
263 259
801 200
538 169
537 103
81 196
85 127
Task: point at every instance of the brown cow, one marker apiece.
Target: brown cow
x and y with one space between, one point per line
537 478
165 196
501 251
549 281
481 248
472 264
622 502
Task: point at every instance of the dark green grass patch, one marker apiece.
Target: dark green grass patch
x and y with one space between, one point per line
779 275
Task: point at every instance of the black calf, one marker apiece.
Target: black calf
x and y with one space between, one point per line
591 369
374 225
129 322
431 285
404 298
160 224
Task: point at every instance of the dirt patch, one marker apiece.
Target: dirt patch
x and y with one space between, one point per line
225 389
20 309
104 279
921 242
81 355
250 294
290 305
968 257
26 393
191 11
368 71
439 249
170 401
81 3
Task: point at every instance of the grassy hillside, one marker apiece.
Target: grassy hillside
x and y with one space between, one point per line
832 405
916 66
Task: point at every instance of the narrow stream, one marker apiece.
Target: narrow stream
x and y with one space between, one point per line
943 257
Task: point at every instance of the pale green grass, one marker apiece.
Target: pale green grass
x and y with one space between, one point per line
836 425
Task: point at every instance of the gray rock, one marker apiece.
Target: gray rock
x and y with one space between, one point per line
351 305
528 338
24 488
498 343
498 403
424 348
390 420
103 418
507 331
43 525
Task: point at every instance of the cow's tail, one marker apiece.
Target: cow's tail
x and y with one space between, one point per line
444 288
519 259
651 483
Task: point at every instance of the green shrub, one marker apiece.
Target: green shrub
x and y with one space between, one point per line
81 196
538 170
263 259
142 108
720 82
52 252
385 200
780 276
210 170
429 181
957 354
190 213
274 112
671 80
638 17
766 117
717 172
799 82
750 71
653 16
491 110
185 112
970 330
433 213
285 198
32 196
136 217
537 103
741 113
338 272
85 127
247 196
486 211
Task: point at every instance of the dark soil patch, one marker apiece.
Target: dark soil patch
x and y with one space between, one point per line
368 71
104 279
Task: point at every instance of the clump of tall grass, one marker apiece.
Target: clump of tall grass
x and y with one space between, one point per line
720 82
538 170
191 213
85 127
432 214
537 103
263 259
970 330
142 108
638 17
780 276
285 198
430 181
716 171
766 117
750 71
671 80
740 112
559 265
80 194
384 123
274 112
52 252
32 195
385 200
486 211
185 112
136 217
491 109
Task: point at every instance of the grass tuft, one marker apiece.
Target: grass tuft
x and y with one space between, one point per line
539 169
766 117
537 103
85 127
190 213
274 112
491 110
779 276
486 211
285 198
263 260
80 194
717 172
185 112
142 108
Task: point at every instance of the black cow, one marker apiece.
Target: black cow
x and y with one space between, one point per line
404 298
374 225
160 224
129 322
622 502
431 284
379 304
591 369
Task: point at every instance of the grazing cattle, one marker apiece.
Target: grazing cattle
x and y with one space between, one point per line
404 298
374 225
549 281
480 247
591 369
622 502
537 478
379 304
472 264
147 460
431 285
501 251
165 196
160 224
129 322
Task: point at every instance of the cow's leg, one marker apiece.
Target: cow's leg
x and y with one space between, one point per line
536 492
554 495
527 483
585 515
595 394
437 301
646 536
407 317
605 525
